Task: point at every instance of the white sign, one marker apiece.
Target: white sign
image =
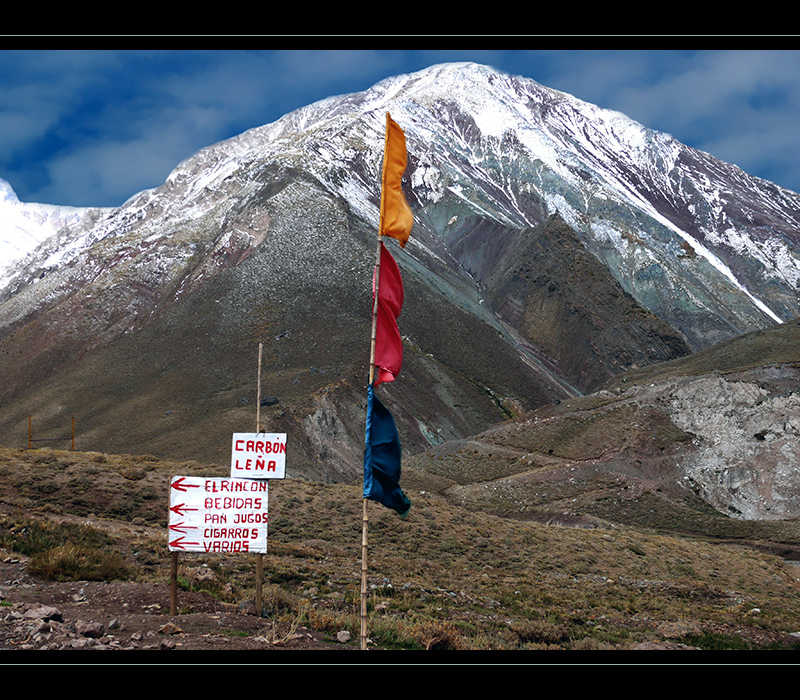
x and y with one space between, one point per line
218 514
258 455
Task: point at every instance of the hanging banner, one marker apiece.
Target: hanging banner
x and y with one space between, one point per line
258 455
218 515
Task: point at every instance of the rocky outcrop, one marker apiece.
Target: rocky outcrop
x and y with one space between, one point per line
747 457
726 440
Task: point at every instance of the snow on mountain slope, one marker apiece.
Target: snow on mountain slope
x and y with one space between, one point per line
709 249
688 236
24 226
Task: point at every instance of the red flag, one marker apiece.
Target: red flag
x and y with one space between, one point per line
388 343
396 218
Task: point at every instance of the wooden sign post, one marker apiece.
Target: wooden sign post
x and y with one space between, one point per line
228 515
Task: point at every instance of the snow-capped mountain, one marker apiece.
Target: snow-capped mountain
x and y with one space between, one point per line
554 244
687 235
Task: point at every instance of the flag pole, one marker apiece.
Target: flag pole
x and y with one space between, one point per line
364 499
395 221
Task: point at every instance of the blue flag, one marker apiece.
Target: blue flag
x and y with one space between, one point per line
382 457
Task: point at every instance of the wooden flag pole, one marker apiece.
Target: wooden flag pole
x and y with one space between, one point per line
375 313
381 223
364 524
365 509
374 334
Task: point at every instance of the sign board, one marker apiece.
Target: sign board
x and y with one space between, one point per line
258 455
218 515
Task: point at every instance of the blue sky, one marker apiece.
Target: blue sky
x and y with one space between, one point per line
94 127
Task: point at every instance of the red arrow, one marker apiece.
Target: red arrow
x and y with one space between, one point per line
179 486
180 543
181 527
181 508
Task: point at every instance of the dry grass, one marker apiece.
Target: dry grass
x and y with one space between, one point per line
445 577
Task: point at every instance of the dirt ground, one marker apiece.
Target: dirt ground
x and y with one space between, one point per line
41 616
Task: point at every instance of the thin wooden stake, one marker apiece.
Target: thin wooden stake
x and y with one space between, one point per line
259 579
258 392
259 556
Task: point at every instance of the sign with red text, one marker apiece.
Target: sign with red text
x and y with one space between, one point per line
218 514
258 455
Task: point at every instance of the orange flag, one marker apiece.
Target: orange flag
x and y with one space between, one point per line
396 218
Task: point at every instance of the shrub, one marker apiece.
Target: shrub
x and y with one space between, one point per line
32 537
436 635
69 562
540 631
65 551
